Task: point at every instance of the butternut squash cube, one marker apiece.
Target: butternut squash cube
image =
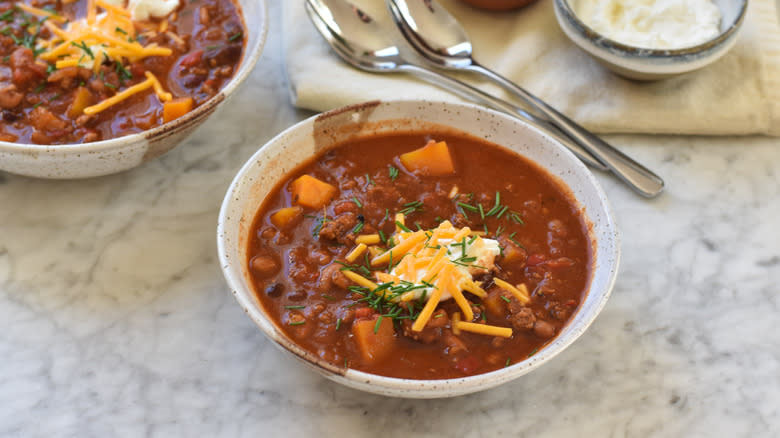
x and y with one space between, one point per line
286 217
432 159
176 108
374 345
310 192
81 99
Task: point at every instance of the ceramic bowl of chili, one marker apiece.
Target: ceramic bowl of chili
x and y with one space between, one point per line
143 101
359 158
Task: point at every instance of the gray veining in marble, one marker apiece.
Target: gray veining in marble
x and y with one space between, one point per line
115 319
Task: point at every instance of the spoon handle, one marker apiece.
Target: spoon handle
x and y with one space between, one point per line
480 96
640 178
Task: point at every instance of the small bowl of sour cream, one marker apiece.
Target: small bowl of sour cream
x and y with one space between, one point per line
652 39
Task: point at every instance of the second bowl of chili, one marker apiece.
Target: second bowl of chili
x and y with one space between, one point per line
89 88
418 249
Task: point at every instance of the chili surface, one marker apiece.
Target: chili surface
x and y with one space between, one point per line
298 255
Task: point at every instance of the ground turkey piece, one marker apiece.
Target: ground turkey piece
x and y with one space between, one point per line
432 331
25 70
338 228
10 97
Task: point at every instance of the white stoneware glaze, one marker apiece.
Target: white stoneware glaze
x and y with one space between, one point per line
119 154
302 141
652 64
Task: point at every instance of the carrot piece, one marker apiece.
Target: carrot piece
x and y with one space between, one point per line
176 108
286 217
81 100
310 192
432 159
375 340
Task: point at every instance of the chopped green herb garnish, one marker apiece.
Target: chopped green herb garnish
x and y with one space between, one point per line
37 105
508 361
110 85
382 236
512 238
403 227
533 352
369 180
467 206
411 207
294 307
39 88
235 36
212 47
120 30
516 218
83 46
357 202
301 322
378 323
358 227
329 297
481 211
51 68
338 323
393 172
506 299
124 74
8 15
502 211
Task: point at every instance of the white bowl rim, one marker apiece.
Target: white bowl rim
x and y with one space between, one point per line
417 388
248 63
627 50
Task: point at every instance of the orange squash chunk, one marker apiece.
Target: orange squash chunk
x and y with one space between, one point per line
310 192
176 108
433 159
286 217
81 99
374 347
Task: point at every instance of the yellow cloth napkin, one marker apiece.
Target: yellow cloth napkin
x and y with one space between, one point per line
738 94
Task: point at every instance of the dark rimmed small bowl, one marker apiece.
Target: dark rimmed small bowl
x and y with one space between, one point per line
652 64
115 155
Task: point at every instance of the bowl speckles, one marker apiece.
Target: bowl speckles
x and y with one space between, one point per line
300 142
123 153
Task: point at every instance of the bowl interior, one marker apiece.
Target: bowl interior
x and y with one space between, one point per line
260 174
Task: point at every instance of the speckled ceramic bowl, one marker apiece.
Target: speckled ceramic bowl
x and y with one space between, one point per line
652 64
119 154
304 140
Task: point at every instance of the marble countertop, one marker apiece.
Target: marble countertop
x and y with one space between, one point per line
115 319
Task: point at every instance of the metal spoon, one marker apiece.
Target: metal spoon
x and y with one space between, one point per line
362 43
441 40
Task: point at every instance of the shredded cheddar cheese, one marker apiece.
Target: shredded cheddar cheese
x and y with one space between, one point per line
41 12
434 265
484 329
122 95
521 295
360 280
105 36
368 239
357 252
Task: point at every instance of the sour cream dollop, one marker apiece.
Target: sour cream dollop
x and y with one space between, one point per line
652 24
141 10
